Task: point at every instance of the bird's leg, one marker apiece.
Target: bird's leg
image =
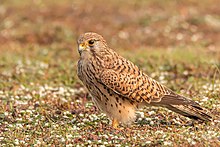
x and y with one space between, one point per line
84 99
115 123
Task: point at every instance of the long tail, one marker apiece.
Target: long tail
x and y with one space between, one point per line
192 111
183 106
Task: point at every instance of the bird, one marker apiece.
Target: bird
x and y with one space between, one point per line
119 87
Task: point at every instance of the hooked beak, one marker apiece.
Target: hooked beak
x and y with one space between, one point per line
82 47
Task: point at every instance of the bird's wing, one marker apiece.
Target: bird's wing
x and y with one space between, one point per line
138 87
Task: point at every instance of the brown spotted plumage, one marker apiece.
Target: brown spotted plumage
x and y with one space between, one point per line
118 87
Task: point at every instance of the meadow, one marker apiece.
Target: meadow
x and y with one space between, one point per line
42 101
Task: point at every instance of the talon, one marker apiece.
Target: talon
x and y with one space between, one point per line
115 123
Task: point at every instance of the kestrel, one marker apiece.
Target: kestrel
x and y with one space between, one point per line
118 87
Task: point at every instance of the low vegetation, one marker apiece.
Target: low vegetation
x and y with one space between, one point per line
42 102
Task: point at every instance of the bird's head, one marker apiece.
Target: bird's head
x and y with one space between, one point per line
91 43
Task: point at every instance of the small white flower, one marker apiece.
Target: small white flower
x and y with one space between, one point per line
151 112
148 142
89 141
16 142
6 113
168 143
63 139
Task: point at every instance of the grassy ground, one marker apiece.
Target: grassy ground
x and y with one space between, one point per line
41 98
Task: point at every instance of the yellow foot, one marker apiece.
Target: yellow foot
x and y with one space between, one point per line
115 124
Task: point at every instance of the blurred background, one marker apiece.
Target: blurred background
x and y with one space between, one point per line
126 25
177 42
30 29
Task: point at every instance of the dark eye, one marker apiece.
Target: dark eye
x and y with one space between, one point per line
91 42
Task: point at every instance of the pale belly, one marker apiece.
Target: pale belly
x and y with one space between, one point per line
112 104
